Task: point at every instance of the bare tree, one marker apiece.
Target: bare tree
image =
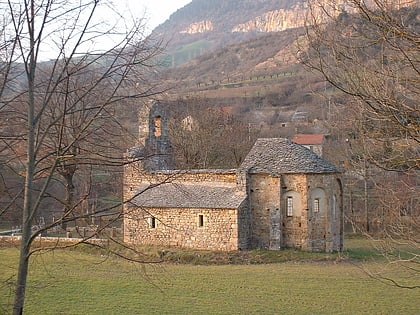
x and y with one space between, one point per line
369 50
70 102
351 147
208 136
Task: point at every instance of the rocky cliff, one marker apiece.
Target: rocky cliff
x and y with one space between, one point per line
205 25
275 21
261 16
199 27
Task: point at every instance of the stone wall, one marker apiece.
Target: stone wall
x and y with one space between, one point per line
271 226
294 227
215 229
261 221
134 175
264 203
180 226
244 226
192 176
326 226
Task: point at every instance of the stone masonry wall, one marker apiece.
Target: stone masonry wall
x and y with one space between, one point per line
306 229
264 202
131 180
260 222
217 229
134 176
192 176
178 226
294 228
244 226
325 227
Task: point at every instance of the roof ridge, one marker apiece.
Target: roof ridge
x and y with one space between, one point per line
283 156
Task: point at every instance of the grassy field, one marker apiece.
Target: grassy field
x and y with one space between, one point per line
74 282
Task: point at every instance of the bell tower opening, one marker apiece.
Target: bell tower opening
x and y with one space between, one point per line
157 126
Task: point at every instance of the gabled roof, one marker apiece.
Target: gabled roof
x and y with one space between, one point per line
281 156
308 138
197 195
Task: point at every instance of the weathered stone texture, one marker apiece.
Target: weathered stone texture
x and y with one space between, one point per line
181 227
326 226
282 196
177 225
264 200
294 227
272 228
244 223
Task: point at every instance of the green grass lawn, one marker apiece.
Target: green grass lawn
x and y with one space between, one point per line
74 282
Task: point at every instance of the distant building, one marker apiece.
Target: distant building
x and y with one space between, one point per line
300 116
282 196
313 142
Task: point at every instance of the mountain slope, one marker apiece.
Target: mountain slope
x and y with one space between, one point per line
243 54
206 25
224 15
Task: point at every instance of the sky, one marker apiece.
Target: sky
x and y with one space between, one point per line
150 12
157 11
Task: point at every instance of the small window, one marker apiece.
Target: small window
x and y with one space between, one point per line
289 206
334 207
158 126
200 220
152 222
316 205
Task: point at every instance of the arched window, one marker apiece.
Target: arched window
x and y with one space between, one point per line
318 201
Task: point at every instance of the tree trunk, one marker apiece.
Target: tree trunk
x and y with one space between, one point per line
366 204
28 206
28 214
22 272
366 194
68 201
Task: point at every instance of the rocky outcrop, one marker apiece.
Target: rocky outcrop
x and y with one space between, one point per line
275 21
283 19
242 16
199 27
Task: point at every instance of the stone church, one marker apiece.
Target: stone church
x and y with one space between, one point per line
282 196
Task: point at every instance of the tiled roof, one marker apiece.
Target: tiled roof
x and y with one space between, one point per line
281 156
199 195
308 138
